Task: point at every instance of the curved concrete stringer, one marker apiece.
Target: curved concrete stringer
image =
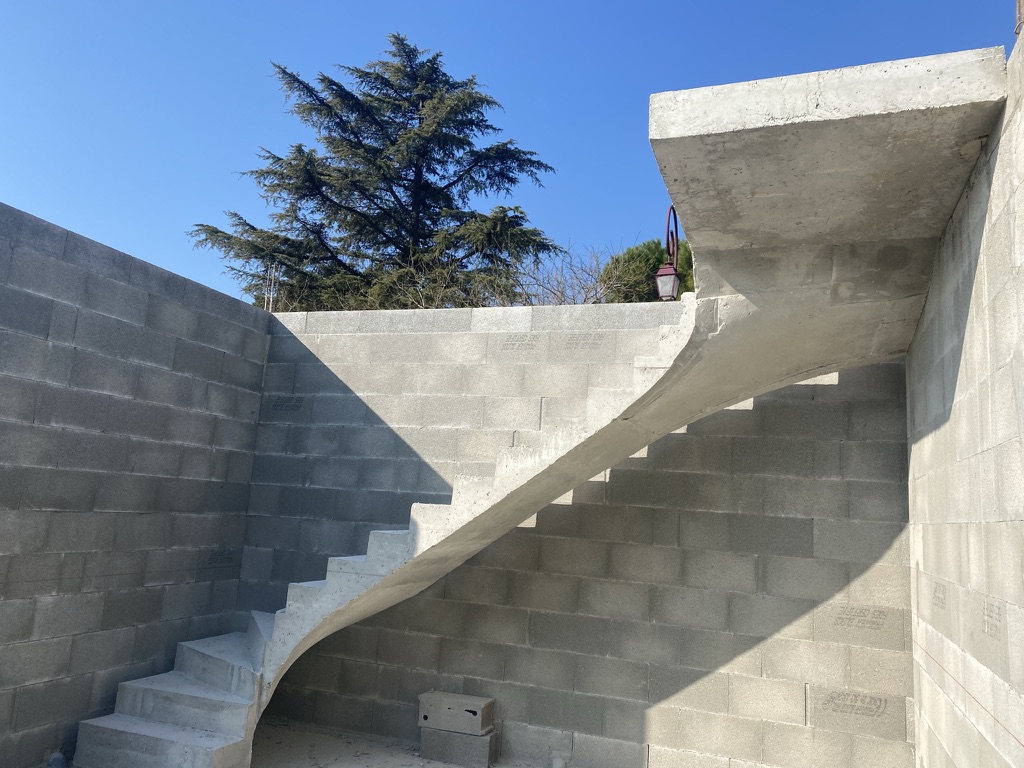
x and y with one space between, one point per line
814 205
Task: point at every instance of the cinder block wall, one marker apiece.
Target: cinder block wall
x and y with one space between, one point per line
966 407
740 597
128 406
365 413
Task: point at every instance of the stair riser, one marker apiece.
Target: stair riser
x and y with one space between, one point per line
101 747
182 709
217 672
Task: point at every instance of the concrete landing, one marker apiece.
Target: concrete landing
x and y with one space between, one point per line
875 152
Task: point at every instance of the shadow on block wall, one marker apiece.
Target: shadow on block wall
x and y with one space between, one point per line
328 468
740 592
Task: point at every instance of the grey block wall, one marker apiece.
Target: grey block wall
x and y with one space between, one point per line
365 413
739 597
966 405
128 406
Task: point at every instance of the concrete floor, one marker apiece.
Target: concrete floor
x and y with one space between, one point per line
284 744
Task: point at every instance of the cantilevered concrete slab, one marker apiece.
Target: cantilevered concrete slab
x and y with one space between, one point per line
869 153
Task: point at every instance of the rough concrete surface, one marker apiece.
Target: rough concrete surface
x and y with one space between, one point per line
282 743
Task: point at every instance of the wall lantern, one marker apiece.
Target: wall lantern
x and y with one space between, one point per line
667 276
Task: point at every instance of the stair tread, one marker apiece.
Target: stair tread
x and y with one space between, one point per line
167 731
178 682
233 648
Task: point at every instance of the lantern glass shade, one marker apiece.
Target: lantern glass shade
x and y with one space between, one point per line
667 280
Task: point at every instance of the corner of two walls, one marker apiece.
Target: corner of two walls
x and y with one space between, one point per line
128 406
965 383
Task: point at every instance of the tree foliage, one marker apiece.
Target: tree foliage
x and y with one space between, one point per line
629 276
378 214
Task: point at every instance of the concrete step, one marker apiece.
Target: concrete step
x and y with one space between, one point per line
223 662
122 741
259 633
178 699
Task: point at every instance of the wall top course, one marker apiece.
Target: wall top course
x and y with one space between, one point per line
28 235
586 317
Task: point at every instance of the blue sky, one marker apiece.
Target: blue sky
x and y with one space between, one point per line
128 122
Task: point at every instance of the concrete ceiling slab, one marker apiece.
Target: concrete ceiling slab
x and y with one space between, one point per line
871 153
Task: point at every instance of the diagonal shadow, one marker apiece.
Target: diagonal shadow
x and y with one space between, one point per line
332 464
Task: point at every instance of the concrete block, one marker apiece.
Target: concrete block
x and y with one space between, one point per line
241 372
729 571
704 530
16 620
819 498
478 585
598 752
642 641
28 445
472 658
97 258
99 373
124 608
532 744
805 661
863 625
861 542
67 615
699 608
101 650
689 688
767 699
875 460
64 407
197 360
790 537
543 592
459 748
537 667
691 730
883 671
566 710
879 753
618 524
719 651
498 624
614 599
875 715
471 715
416 651
803 747
516 550
642 563
579 634
773 456
52 702
45 276
27 663
17 399
25 312
394 719
612 677
766 615
803 577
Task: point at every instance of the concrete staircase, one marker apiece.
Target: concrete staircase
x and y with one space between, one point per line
203 713
795 279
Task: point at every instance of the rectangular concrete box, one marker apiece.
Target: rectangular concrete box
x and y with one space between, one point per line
473 715
459 748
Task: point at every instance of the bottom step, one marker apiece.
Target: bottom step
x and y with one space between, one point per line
121 741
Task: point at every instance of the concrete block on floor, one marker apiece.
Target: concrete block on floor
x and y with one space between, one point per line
471 715
459 748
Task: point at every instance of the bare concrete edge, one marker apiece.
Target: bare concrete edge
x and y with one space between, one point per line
928 82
